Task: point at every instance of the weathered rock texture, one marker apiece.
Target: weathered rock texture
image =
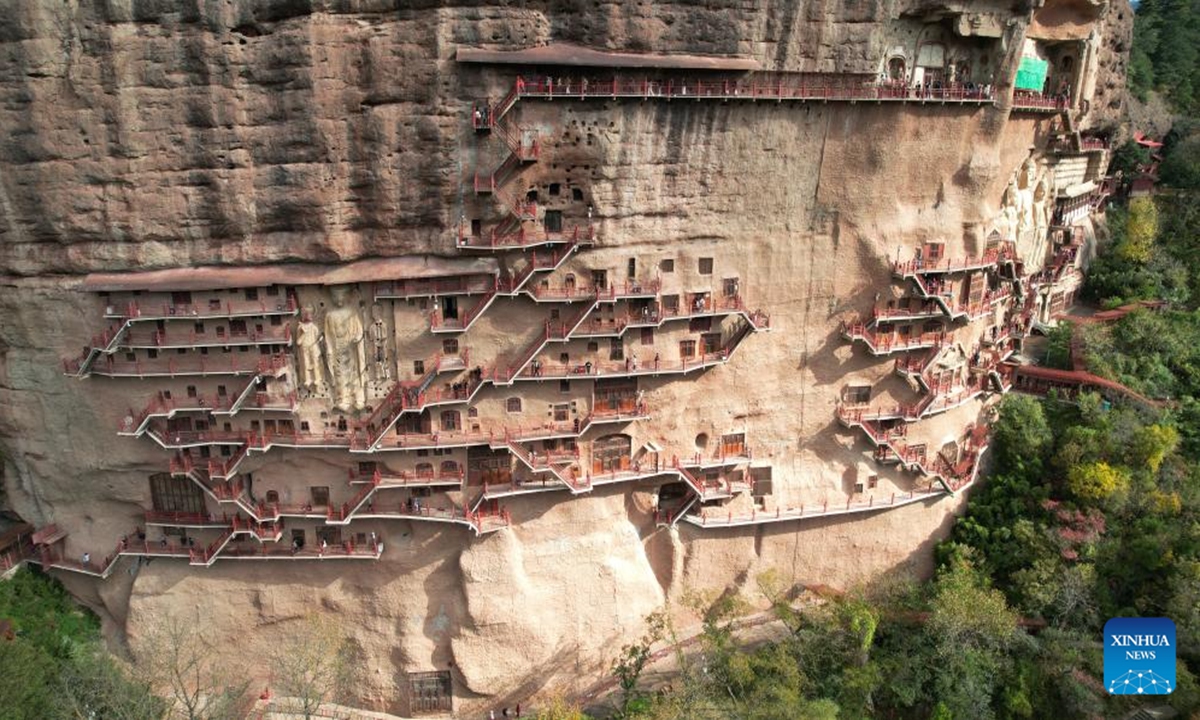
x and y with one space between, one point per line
145 134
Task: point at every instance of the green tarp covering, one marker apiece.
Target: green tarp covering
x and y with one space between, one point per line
1031 74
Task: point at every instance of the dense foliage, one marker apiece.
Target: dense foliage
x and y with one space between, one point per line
1181 164
54 666
1168 268
1166 52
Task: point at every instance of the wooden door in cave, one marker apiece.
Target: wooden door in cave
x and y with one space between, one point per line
733 445
430 692
977 283
616 394
410 424
484 465
171 494
611 453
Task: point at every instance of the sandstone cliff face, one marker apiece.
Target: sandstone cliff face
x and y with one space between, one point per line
1110 98
145 134
160 134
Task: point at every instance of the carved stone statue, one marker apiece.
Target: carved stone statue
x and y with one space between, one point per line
379 335
345 353
1025 183
1043 209
1009 213
308 344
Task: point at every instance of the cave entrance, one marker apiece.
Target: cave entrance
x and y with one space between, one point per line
487 466
430 692
329 536
611 453
176 495
673 499
449 308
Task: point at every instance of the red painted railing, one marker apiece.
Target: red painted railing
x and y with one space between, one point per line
798 87
270 335
952 265
1024 100
228 308
457 285
234 363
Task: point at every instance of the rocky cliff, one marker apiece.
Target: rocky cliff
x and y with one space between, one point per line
157 135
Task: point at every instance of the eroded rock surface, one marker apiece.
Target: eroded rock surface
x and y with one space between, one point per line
146 135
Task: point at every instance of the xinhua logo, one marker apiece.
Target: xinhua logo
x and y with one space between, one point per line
1139 656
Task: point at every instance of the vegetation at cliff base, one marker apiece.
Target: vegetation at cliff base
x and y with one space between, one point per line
52 664
1166 52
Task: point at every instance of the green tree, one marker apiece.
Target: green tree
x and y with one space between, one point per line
972 628
557 708
1181 166
1152 444
1183 606
1021 434
43 613
1141 231
1096 481
1127 158
94 685
628 666
1166 38
27 680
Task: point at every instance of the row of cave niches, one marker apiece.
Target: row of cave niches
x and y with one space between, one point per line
583 131
575 133
571 187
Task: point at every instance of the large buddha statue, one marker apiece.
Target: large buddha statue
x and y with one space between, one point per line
379 338
1043 208
1010 213
344 351
1026 179
308 345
